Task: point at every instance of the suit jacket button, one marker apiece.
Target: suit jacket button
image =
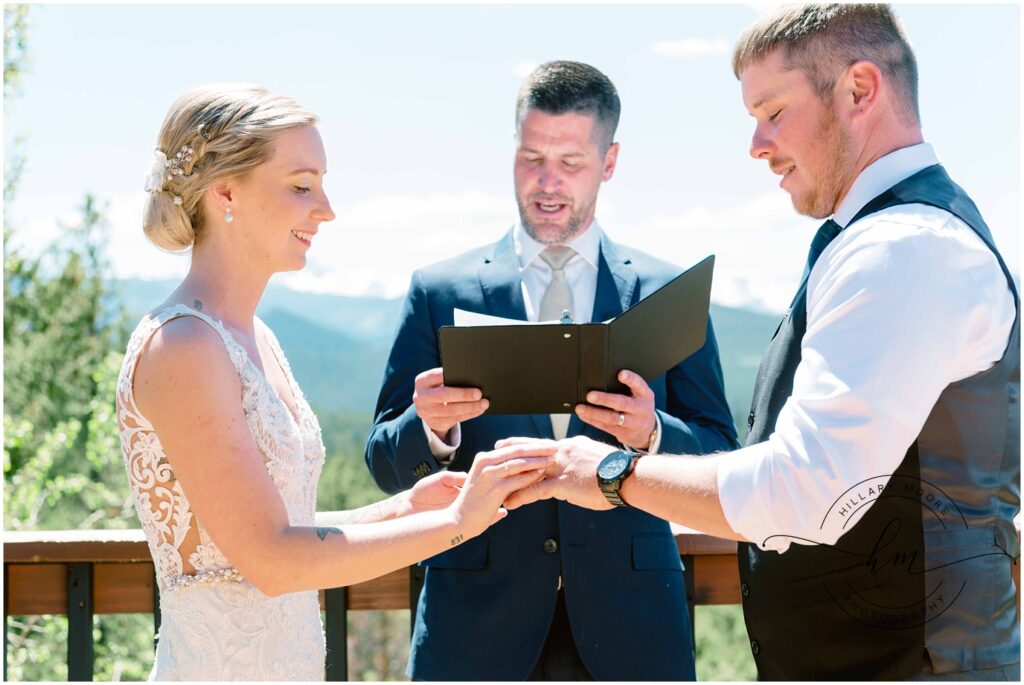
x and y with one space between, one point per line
745 590
551 545
754 647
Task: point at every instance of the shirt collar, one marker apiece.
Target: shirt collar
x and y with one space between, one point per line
586 245
882 174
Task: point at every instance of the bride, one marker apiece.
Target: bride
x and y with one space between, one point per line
222 450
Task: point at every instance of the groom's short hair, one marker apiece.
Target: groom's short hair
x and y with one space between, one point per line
564 87
823 40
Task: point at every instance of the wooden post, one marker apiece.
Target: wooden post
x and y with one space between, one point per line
416 575
80 621
336 606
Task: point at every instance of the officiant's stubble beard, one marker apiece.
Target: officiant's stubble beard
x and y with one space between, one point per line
572 229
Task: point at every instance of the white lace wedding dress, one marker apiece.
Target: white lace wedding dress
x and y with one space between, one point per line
215 625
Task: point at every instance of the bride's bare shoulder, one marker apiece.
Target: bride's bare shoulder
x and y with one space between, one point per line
183 359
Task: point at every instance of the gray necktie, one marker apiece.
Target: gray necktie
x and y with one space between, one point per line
558 296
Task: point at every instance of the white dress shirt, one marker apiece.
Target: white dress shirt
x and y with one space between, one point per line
581 275
901 304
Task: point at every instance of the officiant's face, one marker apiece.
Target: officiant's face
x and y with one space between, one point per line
558 171
798 134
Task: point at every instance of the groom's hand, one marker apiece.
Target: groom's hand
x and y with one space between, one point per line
572 477
442 407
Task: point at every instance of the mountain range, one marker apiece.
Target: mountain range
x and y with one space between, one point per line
337 346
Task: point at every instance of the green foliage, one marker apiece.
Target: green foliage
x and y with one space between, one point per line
723 651
62 459
15 48
345 482
57 330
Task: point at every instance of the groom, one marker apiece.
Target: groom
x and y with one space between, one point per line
554 592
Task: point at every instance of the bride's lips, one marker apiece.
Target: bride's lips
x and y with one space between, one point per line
304 237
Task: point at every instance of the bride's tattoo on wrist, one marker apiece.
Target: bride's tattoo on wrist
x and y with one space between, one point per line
322 532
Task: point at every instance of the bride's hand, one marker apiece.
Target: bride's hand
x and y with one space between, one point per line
436 491
492 478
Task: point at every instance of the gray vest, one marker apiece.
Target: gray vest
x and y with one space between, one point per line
927 566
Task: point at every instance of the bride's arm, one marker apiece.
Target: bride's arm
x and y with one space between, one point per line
436 491
187 387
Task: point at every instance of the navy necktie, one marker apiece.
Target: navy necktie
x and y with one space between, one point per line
825 235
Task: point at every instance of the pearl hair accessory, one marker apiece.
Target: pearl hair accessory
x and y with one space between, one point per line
164 169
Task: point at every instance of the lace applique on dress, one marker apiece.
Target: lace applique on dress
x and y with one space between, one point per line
201 593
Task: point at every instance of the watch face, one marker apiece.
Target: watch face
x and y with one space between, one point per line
613 466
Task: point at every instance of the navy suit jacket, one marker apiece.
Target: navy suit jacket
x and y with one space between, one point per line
487 604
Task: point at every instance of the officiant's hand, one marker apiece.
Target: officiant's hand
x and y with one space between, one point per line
442 407
630 418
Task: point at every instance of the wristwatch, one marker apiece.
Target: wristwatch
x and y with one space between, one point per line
612 470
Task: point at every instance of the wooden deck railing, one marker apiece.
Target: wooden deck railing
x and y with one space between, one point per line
84 573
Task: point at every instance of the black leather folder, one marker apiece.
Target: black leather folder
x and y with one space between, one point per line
550 368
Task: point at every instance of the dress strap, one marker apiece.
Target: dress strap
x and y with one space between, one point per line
236 352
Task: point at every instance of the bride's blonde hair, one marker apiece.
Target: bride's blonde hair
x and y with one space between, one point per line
222 131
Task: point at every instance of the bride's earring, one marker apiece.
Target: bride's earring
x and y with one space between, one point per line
227 215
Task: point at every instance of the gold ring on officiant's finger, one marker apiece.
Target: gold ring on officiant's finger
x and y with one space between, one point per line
622 419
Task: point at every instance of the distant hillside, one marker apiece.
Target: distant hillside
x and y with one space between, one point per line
336 372
742 338
363 318
337 346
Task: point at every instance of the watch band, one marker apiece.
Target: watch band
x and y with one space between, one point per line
610 489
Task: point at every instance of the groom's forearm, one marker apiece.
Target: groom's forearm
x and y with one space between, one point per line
680 489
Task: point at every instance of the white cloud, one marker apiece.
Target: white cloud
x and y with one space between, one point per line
38 222
756 265
374 245
691 47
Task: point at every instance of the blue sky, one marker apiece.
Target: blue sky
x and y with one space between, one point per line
417 111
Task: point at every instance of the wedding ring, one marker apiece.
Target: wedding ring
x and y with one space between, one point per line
622 419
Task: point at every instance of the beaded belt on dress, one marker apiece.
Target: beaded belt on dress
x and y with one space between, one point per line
221 575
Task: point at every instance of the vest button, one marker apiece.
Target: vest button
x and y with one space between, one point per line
750 421
754 647
745 590
551 545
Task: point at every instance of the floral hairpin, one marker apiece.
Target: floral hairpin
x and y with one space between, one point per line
164 169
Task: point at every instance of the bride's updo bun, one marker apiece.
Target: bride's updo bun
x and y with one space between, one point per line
211 133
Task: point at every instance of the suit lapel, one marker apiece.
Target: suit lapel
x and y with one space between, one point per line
617 290
501 282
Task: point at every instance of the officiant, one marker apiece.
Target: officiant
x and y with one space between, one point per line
555 591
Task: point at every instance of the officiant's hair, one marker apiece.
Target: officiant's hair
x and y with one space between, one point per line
823 40
223 131
564 87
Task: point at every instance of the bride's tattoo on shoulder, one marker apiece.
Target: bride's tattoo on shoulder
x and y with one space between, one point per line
457 539
324 531
196 304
